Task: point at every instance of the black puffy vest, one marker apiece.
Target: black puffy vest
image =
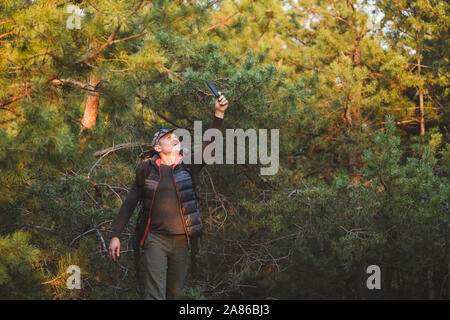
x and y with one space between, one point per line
185 188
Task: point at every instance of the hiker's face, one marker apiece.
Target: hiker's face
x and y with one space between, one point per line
168 143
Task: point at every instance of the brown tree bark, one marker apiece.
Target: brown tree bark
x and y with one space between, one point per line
91 110
447 244
430 280
422 119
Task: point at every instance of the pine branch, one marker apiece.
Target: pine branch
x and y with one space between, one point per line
266 27
145 100
128 38
6 102
111 40
6 34
222 22
76 83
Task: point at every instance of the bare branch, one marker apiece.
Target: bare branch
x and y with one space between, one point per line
76 83
104 152
90 230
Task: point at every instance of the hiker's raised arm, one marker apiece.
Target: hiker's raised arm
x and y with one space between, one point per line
220 107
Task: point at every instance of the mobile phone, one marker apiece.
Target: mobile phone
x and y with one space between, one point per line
213 89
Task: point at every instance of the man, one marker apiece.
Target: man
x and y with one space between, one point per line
170 221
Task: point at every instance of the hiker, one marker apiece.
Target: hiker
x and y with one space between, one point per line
169 224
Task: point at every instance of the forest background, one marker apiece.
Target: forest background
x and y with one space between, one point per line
358 89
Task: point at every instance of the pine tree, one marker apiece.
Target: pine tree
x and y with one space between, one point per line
354 187
418 30
20 270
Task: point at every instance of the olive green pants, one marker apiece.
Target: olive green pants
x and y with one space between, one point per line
164 264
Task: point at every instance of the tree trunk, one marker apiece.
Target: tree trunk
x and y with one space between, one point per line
430 280
422 119
91 110
448 259
353 161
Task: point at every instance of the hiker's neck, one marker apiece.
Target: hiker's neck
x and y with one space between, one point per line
168 158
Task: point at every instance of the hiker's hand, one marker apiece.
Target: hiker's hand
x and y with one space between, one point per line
221 105
114 248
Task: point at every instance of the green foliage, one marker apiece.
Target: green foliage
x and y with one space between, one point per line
20 270
358 183
342 228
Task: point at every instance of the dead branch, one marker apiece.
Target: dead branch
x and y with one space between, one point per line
111 188
92 198
101 239
105 152
76 83
89 231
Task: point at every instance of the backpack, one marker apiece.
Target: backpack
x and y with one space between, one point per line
141 173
